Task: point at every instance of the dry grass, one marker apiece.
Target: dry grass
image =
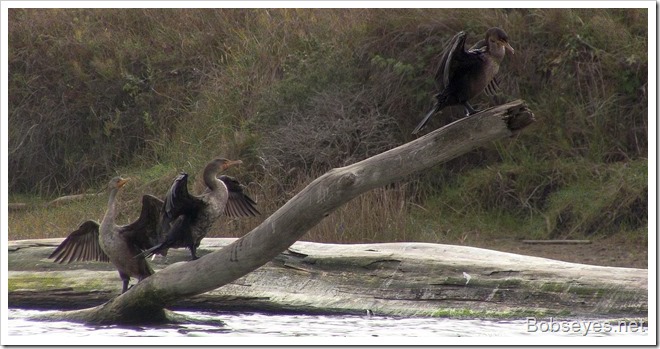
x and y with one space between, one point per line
379 215
49 221
294 92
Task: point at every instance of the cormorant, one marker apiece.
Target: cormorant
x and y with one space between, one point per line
186 219
462 74
109 242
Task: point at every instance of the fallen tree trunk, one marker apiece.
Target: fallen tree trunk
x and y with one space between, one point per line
407 279
146 302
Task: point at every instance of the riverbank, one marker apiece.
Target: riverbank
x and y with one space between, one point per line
613 251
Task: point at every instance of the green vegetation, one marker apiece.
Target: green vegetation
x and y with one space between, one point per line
39 282
464 313
28 283
294 92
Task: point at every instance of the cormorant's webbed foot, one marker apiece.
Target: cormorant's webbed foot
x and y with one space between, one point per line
469 110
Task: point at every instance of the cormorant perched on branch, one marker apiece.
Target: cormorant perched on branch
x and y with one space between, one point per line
112 243
462 74
186 219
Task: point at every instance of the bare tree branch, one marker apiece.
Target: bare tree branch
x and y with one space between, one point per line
146 301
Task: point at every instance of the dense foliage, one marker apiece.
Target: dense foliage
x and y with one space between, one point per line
295 92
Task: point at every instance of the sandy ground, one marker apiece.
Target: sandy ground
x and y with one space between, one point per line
613 252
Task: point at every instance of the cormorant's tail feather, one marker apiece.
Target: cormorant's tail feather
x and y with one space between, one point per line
425 120
441 101
150 252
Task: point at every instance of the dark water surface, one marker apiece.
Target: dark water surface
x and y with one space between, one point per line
263 328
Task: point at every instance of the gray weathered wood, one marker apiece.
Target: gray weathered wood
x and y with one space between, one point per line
407 279
146 301
17 206
70 198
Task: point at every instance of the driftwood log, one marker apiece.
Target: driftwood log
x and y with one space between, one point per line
406 279
146 302
62 200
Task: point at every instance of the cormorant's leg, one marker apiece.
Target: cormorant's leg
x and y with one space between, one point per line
124 278
193 252
468 109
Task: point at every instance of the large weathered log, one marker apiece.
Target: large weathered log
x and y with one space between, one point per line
409 279
146 301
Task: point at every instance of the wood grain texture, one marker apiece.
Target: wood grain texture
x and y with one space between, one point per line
402 279
146 301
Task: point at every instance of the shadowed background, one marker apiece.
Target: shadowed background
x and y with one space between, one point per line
147 93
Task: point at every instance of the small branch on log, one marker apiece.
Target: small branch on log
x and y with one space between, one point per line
17 206
21 206
69 198
556 242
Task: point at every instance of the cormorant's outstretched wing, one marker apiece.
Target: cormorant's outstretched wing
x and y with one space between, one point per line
81 245
177 231
178 201
144 232
454 46
238 203
179 210
177 197
456 60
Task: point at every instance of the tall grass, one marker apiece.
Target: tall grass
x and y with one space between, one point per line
295 92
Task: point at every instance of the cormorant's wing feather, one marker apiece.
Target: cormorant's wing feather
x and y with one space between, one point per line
174 233
456 60
178 201
493 88
144 231
238 203
453 47
177 196
478 46
81 245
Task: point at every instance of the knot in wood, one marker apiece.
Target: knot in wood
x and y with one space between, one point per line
347 179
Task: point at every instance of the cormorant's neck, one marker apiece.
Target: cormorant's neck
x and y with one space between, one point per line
110 213
496 51
210 177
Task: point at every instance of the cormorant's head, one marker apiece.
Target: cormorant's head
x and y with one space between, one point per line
222 164
498 41
117 182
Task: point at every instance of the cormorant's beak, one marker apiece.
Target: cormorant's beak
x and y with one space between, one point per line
122 182
509 48
231 163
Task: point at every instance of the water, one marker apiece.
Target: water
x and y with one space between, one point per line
264 328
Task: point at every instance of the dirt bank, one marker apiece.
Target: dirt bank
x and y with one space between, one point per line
614 251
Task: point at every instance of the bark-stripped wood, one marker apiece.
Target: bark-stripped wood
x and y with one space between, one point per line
402 279
146 301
